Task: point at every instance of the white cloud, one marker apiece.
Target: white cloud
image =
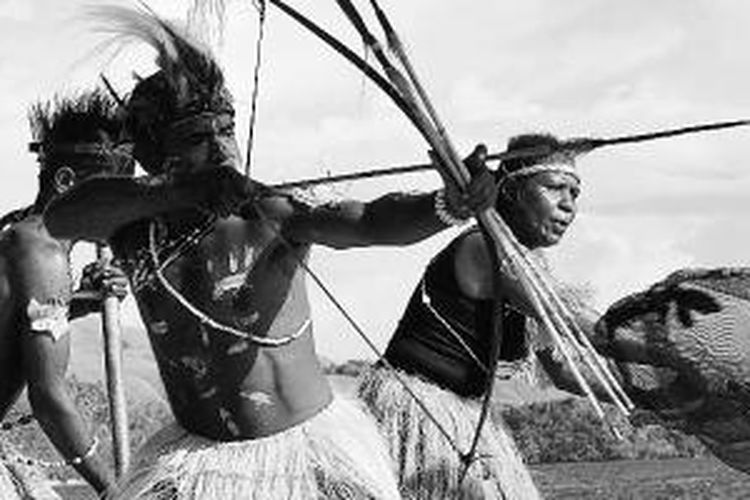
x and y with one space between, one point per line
618 255
475 100
493 69
16 10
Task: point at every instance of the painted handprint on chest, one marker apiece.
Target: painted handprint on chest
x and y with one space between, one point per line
246 268
239 272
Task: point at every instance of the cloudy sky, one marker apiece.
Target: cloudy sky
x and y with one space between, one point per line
494 68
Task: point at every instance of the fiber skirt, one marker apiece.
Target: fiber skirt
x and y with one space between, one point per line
428 466
20 481
337 454
9 487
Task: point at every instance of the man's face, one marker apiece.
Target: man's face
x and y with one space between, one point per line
202 142
546 206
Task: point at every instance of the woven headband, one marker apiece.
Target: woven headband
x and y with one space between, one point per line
568 168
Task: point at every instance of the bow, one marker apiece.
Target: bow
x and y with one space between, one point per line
401 92
409 95
400 83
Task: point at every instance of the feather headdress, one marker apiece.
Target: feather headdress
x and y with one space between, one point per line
80 131
189 80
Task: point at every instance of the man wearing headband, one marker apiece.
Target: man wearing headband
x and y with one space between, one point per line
75 138
224 299
442 342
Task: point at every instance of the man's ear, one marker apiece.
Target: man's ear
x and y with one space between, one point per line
64 179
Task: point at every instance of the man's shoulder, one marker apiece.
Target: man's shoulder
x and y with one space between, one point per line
29 229
473 263
470 243
30 237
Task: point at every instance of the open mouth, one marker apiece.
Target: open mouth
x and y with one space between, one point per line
559 226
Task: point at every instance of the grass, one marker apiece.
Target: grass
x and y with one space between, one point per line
702 478
692 479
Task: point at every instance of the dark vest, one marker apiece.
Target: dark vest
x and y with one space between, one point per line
424 345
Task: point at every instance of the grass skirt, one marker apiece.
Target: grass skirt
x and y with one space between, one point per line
17 483
20 481
8 486
337 454
428 467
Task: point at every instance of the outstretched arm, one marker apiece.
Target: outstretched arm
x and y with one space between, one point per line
40 276
96 208
393 219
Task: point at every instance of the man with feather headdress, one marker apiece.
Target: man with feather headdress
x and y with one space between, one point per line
223 296
75 137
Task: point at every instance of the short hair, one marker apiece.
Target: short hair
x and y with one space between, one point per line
542 147
536 149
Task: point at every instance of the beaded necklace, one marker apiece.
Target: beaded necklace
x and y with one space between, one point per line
154 269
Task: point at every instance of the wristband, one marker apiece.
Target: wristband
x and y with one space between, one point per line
87 454
442 212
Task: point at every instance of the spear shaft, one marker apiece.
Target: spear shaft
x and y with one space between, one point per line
113 368
576 146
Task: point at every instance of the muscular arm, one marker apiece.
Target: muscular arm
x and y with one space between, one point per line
40 275
116 203
393 219
98 207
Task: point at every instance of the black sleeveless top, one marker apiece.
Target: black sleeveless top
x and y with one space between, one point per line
426 342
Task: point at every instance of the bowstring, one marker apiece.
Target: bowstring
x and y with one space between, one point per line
318 281
360 331
260 6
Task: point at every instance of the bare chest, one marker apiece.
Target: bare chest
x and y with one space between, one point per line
239 276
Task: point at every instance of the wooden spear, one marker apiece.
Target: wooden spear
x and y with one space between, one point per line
113 368
575 146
